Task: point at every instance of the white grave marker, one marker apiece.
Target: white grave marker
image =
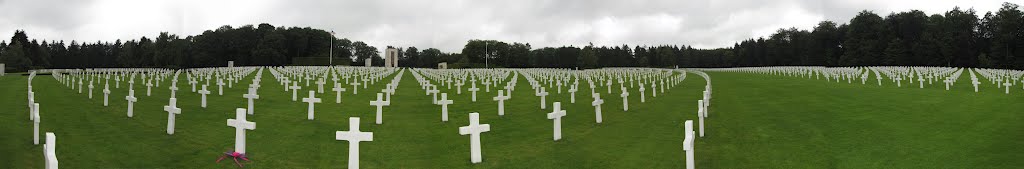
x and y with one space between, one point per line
250 96
473 130
171 110
50 151
240 126
311 100
501 102
203 92
556 115
380 106
131 100
353 136
597 106
444 102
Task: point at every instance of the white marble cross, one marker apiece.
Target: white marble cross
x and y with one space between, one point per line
106 94
220 86
380 103
31 104
35 123
174 89
688 143
458 87
355 87
625 99
542 94
701 113
556 115
240 125
487 86
920 81
295 91
597 106
90 89
131 100
311 100
337 89
654 89
444 102
473 130
192 82
149 87
433 92
642 97
80 86
50 151
353 136
1007 85
975 82
250 96
320 85
171 110
501 102
572 94
473 89
203 92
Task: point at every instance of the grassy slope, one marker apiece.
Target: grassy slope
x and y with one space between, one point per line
412 136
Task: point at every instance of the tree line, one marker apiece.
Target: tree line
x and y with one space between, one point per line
958 38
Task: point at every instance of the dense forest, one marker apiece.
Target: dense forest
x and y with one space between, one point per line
957 38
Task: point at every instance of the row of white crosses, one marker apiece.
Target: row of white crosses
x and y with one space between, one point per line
898 75
488 78
49 147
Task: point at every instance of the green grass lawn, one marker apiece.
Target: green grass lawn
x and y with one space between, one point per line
765 121
412 136
756 121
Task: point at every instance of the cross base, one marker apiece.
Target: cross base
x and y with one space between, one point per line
235 156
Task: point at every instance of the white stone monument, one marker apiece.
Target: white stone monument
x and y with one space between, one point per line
391 57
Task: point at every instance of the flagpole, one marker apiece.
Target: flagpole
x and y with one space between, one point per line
331 60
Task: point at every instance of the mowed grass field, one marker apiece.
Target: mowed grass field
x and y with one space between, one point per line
756 121
770 121
89 135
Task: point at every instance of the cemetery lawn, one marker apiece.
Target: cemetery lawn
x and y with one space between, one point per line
756 121
412 135
770 121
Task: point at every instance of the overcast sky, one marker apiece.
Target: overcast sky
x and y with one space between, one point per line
448 24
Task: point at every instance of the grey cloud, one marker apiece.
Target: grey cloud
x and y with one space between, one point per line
448 24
